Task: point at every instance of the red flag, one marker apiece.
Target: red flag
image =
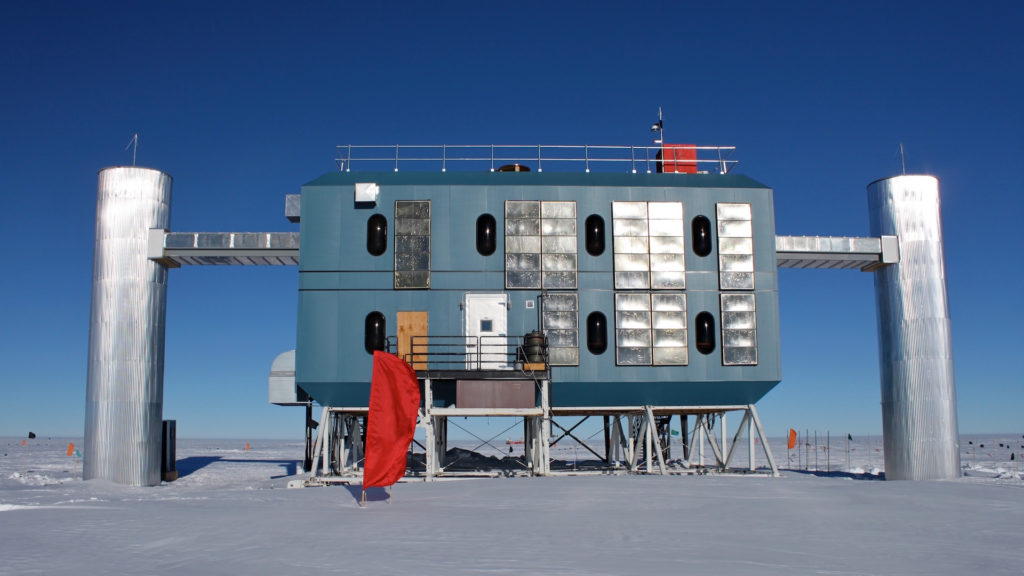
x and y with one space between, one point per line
391 422
792 439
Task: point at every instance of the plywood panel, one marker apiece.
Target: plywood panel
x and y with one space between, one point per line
495 394
413 323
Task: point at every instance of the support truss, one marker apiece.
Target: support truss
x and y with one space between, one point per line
637 439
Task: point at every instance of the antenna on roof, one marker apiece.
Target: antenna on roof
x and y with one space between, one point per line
903 160
659 127
134 145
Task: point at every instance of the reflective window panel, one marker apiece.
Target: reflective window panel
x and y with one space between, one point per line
648 243
735 246
650 329
560 323
739 330
412 244
669 335
633 329
540 244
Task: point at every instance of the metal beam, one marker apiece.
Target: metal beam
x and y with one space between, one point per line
840 252
176 249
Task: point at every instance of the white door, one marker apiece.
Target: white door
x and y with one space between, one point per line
486 330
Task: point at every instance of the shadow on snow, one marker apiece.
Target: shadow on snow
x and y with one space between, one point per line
837 474
191 464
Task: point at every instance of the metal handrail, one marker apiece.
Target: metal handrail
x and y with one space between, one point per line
710 159
451 353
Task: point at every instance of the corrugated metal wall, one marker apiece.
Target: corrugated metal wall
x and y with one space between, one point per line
915 344
124 390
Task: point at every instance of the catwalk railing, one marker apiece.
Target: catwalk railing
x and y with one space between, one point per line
471 353
492 157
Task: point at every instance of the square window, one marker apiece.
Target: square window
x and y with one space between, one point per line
487 326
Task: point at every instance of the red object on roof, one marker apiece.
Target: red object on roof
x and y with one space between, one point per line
678 158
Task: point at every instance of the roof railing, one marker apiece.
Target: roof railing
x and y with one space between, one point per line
564 158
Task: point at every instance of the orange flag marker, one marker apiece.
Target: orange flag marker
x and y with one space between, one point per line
71 448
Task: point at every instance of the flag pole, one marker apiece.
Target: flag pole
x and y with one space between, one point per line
807 448
869 452
362 502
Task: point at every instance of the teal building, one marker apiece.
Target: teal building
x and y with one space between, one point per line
646 289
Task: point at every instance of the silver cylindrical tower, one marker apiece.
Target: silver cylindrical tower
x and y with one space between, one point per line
915 343
125 382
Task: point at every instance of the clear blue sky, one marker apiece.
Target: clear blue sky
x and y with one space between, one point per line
244 102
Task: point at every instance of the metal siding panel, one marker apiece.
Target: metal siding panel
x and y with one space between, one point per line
564 356
733 211
561 325
667 263
558 227
630 245
669 320
632 319
667 245
919 419
632 263
632 280
412 245
629 210
522 209
558 244
665 211
670 357
522 279
632 356
124 382
558 280
734 229
522 244
522 227
550 209
662 280
737 280
622 227
521 262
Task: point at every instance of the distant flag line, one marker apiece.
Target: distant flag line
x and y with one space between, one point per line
793 442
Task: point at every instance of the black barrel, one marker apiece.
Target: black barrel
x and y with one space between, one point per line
533 346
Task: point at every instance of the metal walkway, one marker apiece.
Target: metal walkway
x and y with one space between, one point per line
176 249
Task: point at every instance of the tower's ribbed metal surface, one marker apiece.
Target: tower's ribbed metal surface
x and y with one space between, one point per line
124 390
915 344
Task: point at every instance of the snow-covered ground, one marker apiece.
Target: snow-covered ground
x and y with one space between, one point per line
230 513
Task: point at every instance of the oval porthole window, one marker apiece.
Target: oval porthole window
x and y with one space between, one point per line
374 332
701 228
377 234
594 236
705 330
597 333
486 240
